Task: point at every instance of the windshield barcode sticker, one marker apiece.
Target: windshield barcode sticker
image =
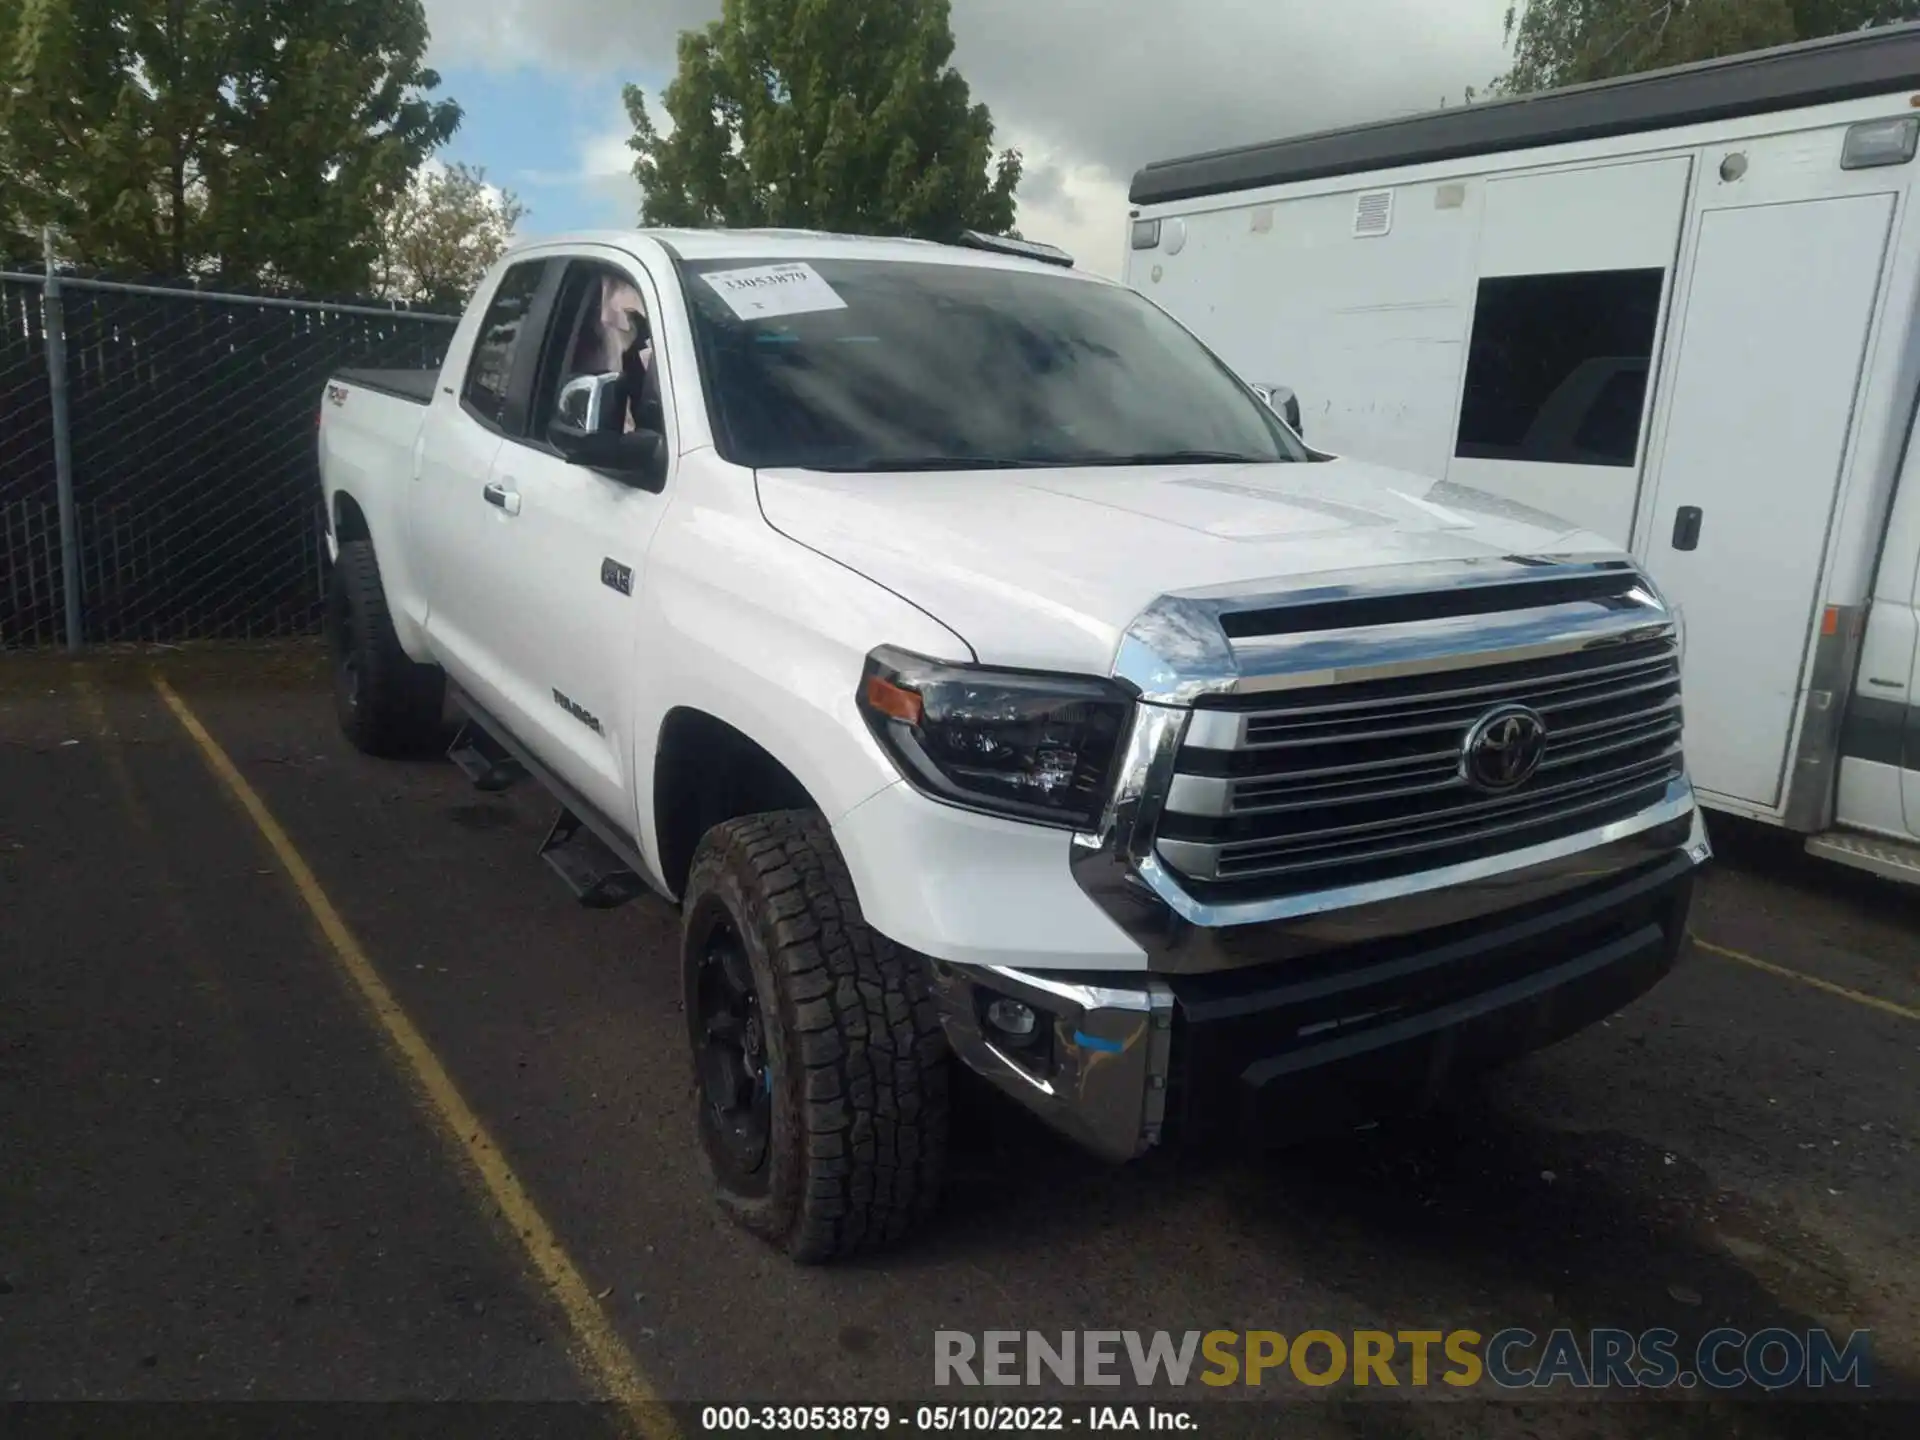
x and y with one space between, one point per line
766 290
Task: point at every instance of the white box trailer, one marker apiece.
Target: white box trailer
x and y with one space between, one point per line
1678 309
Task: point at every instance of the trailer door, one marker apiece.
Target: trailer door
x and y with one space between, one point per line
1772 347
1910 773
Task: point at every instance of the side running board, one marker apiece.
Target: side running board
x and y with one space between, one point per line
1897 860
484 760
598 878
597 860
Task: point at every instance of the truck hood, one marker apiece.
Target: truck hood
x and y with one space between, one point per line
1046 568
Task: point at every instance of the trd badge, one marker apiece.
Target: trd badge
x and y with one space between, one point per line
616 576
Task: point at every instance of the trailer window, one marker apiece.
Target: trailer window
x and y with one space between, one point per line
1557 370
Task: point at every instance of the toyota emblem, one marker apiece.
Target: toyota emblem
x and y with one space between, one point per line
1503 749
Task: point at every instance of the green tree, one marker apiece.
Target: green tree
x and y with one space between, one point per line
828 114
249 140
442 234
1568 42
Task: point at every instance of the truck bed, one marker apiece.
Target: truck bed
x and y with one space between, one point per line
412 385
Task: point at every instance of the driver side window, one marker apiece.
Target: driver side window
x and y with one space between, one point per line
602 331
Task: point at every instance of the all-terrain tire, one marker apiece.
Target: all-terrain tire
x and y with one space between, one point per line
855 1069
386 703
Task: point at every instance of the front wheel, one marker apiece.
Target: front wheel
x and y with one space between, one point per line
819 1063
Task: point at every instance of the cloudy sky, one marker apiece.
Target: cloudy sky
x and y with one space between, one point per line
1087 90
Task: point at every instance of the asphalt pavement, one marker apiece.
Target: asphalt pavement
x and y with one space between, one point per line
223 1176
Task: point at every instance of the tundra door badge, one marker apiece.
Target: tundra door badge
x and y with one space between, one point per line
616 576
579 712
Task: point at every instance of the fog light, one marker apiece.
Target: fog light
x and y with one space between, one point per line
1012 1019
1699 843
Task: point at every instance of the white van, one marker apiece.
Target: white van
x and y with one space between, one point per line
1678 309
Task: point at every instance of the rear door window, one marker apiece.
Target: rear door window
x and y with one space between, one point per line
504 334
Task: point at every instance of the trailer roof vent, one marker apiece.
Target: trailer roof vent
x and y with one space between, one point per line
1373 213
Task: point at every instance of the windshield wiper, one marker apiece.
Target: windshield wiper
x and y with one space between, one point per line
1179 457
883 464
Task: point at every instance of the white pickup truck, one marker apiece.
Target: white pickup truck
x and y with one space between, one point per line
991 677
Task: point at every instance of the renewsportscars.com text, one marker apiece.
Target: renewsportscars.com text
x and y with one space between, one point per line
1512 1359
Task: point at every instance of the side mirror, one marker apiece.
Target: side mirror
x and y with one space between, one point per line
588 404
587 428
1283 402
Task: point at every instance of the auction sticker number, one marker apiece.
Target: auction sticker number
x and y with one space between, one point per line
763 291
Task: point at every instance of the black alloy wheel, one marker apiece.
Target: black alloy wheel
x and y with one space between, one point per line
729 1037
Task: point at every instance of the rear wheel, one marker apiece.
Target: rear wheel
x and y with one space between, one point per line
386 703
821 1071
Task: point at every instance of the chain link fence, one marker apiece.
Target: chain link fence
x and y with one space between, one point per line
189 418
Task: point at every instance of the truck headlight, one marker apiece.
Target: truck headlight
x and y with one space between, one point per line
1018 743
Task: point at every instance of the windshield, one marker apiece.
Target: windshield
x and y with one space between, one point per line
890 365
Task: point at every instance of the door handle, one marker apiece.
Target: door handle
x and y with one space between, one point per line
496 494
1686 527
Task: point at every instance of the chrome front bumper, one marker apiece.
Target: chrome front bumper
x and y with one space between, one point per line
1110 1051
1110 1044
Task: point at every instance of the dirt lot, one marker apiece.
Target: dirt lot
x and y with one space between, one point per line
223 1177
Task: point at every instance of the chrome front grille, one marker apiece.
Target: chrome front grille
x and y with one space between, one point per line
1338 784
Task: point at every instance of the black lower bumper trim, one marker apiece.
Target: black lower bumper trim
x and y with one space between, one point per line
1308 1047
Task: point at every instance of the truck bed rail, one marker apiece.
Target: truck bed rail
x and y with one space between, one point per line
414 385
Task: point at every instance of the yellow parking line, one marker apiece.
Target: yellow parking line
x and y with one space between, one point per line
1872 1002
607 1357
